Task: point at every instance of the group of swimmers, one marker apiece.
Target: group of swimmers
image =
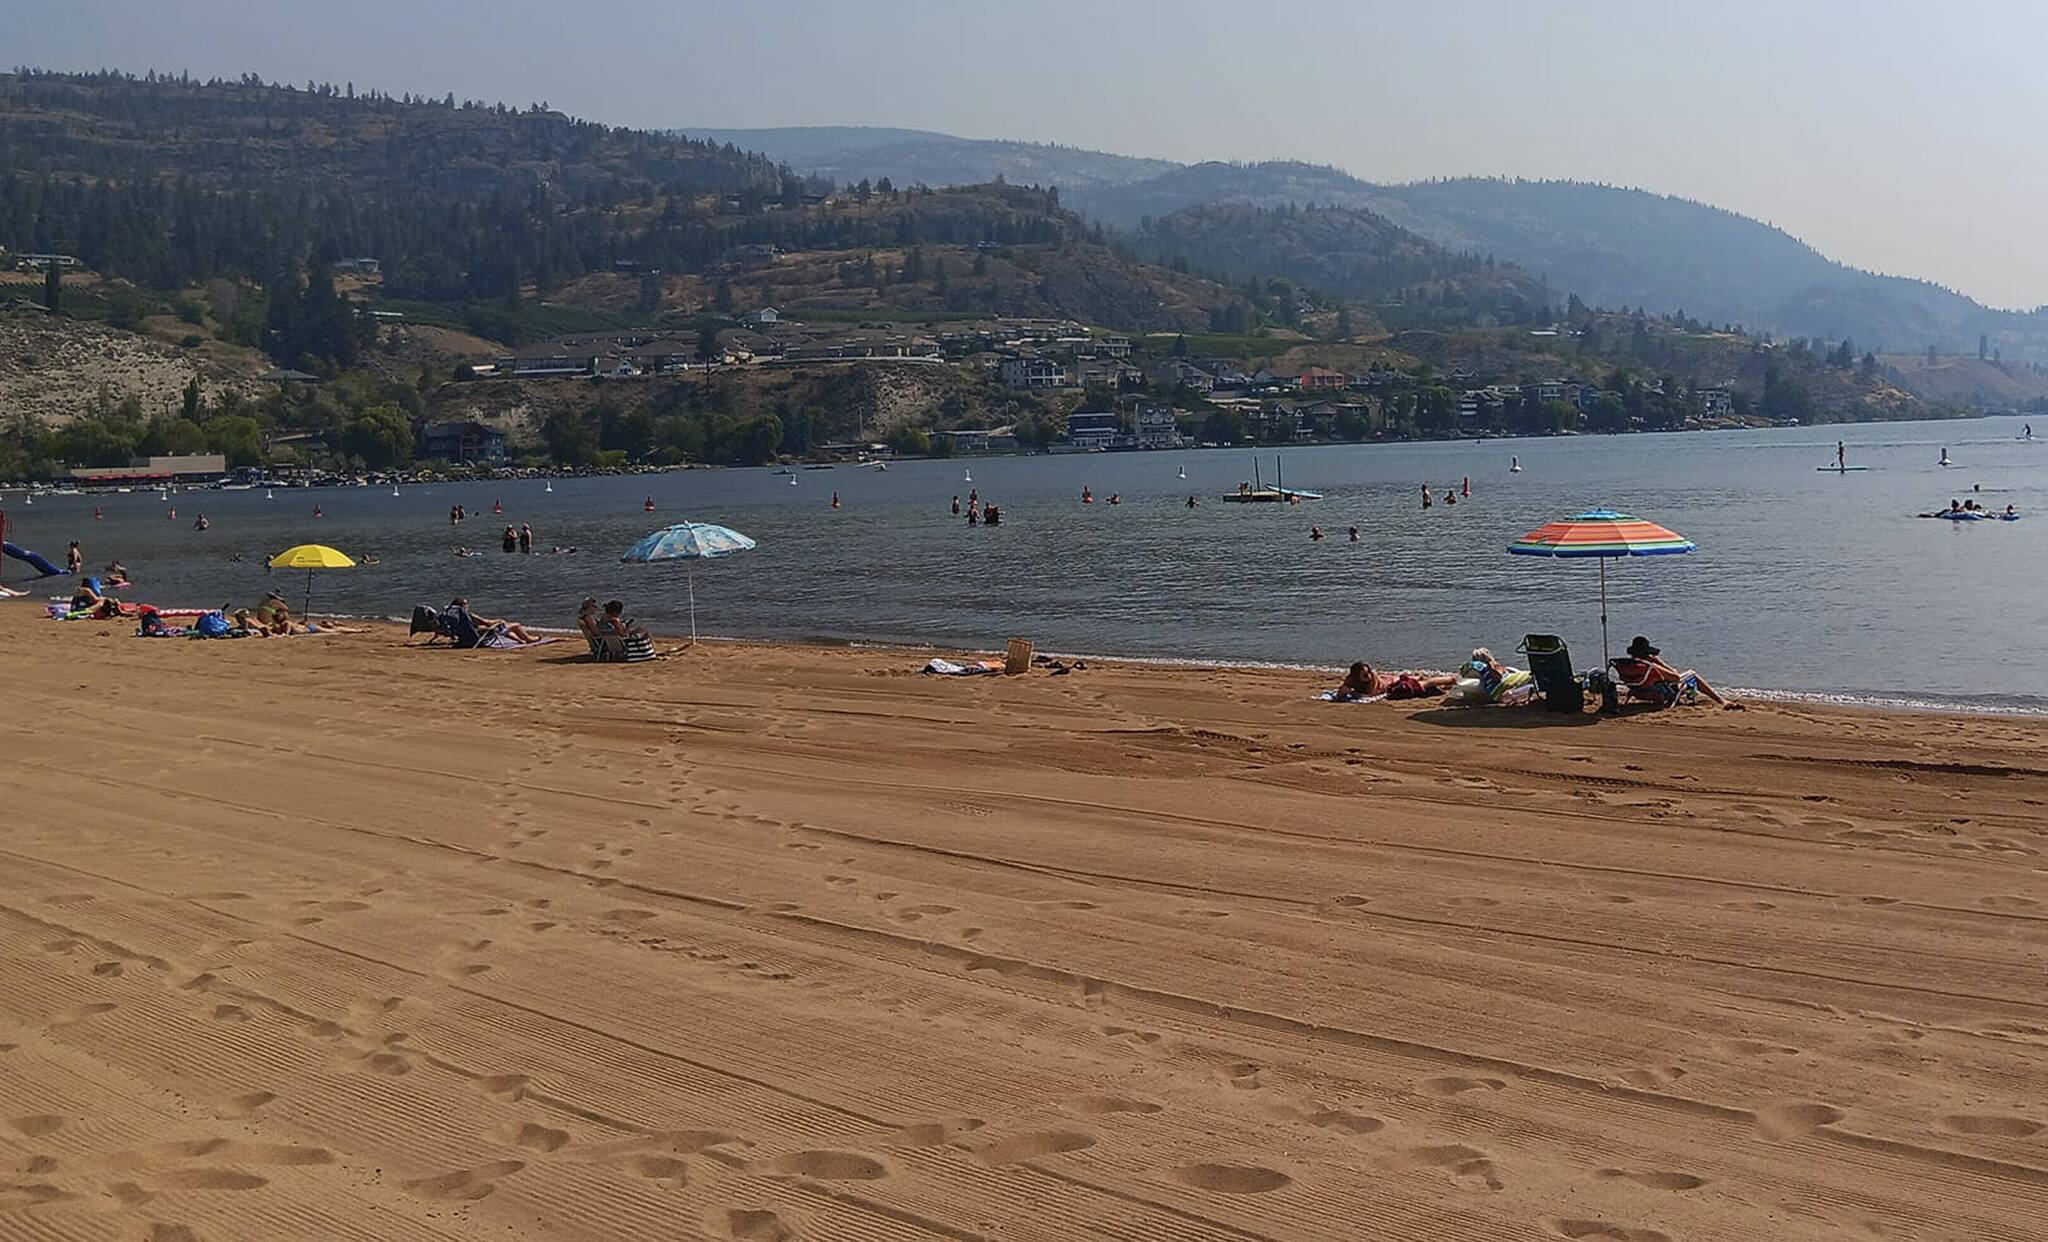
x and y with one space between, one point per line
1971 509
1451 494
978 512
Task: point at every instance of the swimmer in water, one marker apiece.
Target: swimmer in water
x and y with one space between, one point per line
1426 500
1354 534
1315 532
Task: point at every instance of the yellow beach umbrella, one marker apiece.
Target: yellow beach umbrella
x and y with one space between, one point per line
309 557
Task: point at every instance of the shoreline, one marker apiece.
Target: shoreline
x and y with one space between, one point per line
1929 703
1797 698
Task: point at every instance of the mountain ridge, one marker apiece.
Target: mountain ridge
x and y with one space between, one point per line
1612 246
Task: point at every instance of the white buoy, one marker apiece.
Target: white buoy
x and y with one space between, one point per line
267 495
1514 465
550 487
1183 472
792 480
394 489
970 476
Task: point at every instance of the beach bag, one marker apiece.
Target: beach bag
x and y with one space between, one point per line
211 625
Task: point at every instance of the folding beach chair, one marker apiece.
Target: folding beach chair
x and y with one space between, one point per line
461 627
1551 661
621 648
1644 682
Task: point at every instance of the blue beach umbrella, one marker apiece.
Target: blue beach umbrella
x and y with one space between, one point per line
688 542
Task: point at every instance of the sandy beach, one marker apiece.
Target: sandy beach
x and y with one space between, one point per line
332 938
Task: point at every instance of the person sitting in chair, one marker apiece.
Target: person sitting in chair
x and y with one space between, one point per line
1646 674
487 625
615 622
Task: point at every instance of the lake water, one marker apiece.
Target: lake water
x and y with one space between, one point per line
1806 582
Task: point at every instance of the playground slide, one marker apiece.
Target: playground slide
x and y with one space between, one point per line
20 553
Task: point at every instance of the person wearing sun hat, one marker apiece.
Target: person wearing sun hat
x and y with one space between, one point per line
1658 672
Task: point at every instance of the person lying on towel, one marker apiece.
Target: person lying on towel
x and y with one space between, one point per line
1365 682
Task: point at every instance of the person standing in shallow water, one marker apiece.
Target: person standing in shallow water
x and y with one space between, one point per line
74 560
526 539
1426 500
510 539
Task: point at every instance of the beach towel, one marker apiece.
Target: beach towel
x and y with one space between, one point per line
1331 696
976 669
499 640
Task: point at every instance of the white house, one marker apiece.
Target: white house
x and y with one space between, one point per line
1032 371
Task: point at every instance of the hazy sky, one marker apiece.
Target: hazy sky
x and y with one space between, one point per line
1901 138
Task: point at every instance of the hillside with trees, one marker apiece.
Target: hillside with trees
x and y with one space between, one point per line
1346 252
1612 246
847 154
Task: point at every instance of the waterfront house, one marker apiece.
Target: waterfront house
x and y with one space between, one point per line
465 440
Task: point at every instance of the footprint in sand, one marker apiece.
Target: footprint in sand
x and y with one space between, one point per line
1652 1077
464 1184
1104 1105
1600 1229
29 1194
1232 1179
1757 1048
661 1169
1655 1179
832 1166
1787 1121
752 1225
933 1133
1244 1075
36 1125
209 1179
1993 1126
1463 1163
1021 1147
536 1137
1459 1086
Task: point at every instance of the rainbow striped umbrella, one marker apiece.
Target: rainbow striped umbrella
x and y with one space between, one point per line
1602 533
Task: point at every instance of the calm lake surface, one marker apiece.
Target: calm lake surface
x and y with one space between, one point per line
1805 582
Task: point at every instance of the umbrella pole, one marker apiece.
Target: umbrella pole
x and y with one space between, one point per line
690 576
306 614
1603 612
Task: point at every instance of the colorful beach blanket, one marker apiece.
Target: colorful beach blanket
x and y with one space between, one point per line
1331 696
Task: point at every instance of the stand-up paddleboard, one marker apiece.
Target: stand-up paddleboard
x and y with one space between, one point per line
1840 469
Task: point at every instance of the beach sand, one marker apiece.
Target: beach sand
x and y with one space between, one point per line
333 938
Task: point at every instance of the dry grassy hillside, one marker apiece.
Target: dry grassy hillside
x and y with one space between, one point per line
53 370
